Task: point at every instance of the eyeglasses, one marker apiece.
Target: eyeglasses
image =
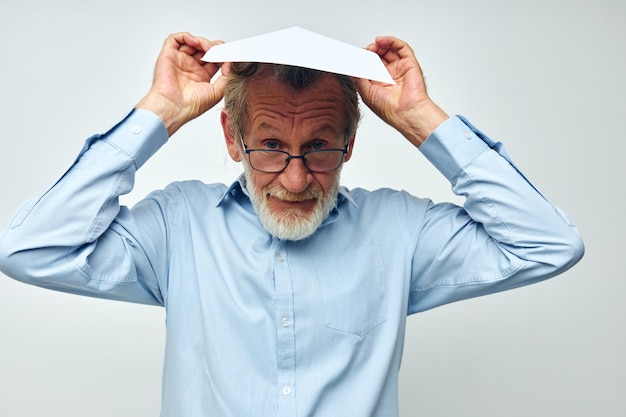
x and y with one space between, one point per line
274 161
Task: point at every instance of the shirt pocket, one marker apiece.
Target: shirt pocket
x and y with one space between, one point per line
353 289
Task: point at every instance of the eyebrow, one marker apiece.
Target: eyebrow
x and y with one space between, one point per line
266 127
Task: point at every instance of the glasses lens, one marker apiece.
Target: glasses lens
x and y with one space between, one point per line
276 161
325 160
268 161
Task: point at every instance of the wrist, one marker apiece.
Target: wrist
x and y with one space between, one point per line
418 123
167 111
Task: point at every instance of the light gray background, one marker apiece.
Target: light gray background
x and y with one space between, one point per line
545 77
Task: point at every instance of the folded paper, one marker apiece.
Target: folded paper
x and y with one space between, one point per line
302 48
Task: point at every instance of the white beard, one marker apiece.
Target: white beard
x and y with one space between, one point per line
291 224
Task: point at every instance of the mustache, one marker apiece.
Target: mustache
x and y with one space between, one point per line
311 193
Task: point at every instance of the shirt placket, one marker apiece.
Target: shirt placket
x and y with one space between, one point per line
285 333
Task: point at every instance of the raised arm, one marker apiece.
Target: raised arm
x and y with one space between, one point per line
75 237
507 234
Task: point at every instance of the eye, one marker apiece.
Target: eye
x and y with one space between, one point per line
317 144
271 144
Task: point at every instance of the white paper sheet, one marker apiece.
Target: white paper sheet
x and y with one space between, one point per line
299 47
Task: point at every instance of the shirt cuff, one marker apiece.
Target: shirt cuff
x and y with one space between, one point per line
139 135
453 146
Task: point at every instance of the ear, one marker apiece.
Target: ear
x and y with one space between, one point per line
348 154
231 137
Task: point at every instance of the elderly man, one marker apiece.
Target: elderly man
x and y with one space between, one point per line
286 294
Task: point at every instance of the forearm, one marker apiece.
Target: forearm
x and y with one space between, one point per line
506 234
49 240
498 196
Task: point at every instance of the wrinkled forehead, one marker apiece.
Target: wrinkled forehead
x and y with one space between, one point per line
272 101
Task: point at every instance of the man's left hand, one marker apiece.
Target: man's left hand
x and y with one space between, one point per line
405 105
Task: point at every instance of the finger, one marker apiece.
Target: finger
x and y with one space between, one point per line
392 48
220 85
198 51
204 47
366 89
386 54
189 44
176 40
211 67
207 44
226 68
398 47
189 50
373 48
363 85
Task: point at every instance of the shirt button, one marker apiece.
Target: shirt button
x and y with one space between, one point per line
285 322
468 135
280 258
136 129
286 390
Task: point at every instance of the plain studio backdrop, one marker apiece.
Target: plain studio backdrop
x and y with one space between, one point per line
545 77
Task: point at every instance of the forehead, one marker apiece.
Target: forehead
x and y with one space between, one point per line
273 105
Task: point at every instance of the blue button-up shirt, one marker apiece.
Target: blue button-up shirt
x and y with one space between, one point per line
257 326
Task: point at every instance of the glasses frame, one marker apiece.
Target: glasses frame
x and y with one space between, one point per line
289 157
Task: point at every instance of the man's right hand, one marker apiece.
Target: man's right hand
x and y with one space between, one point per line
182 88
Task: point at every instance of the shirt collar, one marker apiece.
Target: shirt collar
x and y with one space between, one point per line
238 189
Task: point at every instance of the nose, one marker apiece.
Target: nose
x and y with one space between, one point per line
296 177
